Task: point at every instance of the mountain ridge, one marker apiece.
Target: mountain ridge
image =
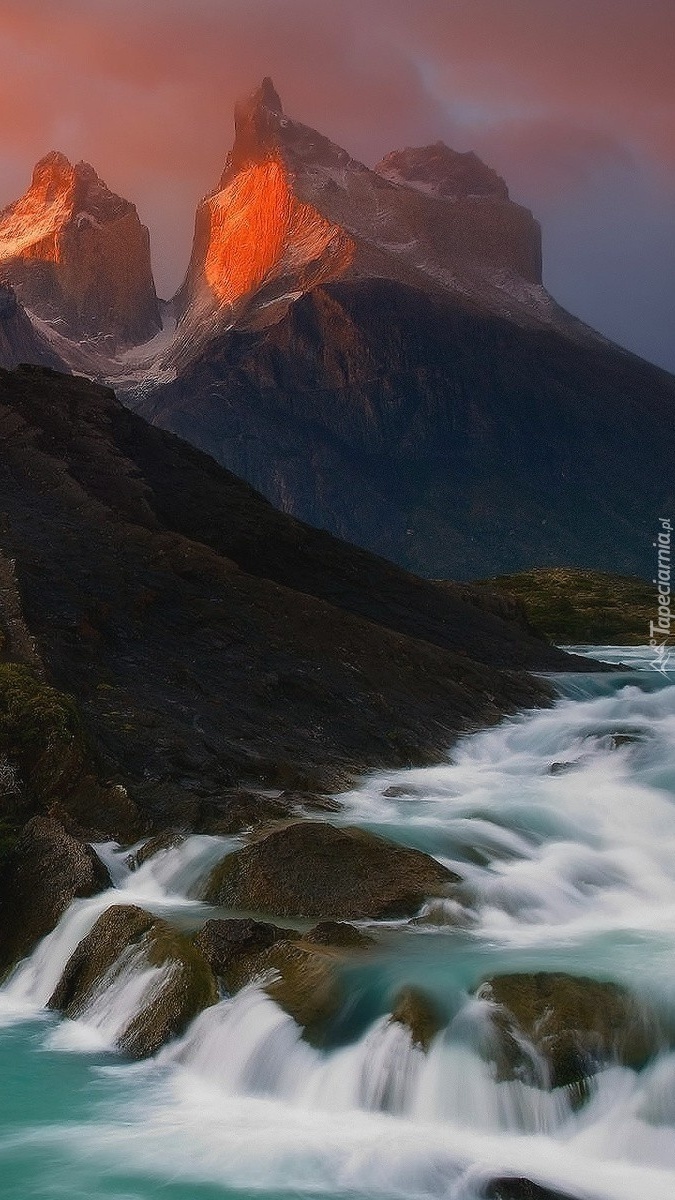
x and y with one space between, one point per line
379 357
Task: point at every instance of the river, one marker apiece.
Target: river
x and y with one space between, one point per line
567 870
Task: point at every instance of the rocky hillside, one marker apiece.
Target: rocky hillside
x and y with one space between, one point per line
208 639
453 440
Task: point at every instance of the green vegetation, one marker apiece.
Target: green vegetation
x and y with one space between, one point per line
33 716
41 748
40 733
572 606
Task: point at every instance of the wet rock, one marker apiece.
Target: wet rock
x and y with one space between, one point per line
302 978
46 870
311 801
626 739
167 840
224 942
313 869
338 933
238 810
561 768
518 1188
126 935
446 913
419 1014
577 1025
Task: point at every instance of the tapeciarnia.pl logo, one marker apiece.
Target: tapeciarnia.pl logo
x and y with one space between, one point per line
659 630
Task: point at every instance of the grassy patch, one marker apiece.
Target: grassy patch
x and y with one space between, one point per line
572 606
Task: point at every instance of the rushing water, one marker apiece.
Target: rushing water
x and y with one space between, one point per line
570 870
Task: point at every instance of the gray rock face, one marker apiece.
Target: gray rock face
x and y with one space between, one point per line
443 172
79 256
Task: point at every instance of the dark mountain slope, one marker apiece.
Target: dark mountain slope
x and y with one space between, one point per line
454 440
191 672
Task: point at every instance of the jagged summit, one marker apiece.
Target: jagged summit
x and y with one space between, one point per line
293 211
78 254
259 241
441 171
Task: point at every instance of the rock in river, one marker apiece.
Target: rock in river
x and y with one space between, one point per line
312 869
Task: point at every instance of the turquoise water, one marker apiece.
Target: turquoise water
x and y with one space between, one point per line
569 870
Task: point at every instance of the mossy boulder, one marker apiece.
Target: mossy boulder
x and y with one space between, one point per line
577 1025
42 739
419 1014
46 870
312 869
125 933
300 971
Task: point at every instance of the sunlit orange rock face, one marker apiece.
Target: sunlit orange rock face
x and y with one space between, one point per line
258 243
261 233
79 256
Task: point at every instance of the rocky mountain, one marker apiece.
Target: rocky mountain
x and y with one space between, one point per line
293 211
375 352
389 367
79 256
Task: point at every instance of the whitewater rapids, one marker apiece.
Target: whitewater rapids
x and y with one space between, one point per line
561 824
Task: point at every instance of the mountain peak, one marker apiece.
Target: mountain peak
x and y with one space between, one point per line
292 211
52 168
257 123
440 171
76 252
268 96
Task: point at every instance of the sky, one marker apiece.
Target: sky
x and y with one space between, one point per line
573 101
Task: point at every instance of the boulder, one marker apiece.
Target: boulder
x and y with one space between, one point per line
418 1013
45 871
222 943
167 840
124 934
338 933
299 971
312 869
577 1025
514 1187
311 801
